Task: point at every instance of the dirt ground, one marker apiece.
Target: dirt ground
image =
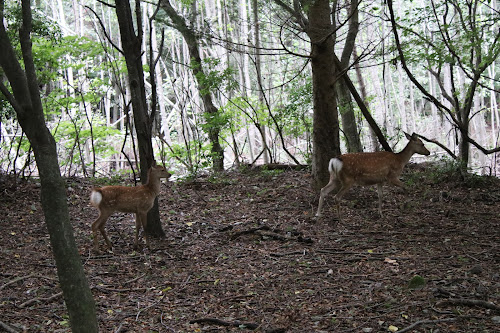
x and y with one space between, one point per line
242 252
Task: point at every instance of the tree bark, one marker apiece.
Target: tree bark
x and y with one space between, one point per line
25 99
346 105
326 141
131 44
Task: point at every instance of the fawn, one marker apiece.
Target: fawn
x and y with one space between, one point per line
138 200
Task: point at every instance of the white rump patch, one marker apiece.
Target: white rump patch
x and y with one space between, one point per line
95 197
335 165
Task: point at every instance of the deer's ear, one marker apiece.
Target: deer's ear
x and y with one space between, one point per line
154 163
408 135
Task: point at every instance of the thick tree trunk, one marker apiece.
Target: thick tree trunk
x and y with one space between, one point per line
131 44
326 141
26 101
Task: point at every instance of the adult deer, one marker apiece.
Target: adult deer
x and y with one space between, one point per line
369 169
127 199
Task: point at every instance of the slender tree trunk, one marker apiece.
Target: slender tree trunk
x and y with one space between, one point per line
364 96
258 69
346 105
211 111
26 101
131 43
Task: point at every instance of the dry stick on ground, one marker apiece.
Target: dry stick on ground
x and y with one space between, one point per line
16 280
219 322
7 328
470 302
40 299
249 231
424 322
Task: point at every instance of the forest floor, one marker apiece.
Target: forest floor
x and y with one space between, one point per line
243 252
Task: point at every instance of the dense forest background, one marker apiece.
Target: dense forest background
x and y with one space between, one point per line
101 88
251 90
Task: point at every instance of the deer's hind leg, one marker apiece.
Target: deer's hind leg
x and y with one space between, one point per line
99 224
332 184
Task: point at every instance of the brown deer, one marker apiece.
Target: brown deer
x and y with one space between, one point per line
127 199
369 169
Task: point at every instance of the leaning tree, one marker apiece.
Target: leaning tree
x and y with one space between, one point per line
22 92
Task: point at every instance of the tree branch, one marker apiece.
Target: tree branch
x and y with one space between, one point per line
104 29
362 106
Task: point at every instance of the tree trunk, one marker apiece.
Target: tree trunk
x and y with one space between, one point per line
131 44
211 111
260 86
26 101
346 105
326 141
346 110
364 96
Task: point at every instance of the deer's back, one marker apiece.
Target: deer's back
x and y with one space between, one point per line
369 168
126 199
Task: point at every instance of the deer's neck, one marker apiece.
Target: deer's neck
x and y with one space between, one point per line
405 155
153 184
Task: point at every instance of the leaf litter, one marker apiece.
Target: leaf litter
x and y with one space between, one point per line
243 253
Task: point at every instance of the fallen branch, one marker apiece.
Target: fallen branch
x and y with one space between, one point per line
119 290
40 299
8 328
278 166
220 322
15 280
470 302
265 232
425 322
134 279
249 231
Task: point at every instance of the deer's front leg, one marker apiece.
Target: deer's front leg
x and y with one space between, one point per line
141 219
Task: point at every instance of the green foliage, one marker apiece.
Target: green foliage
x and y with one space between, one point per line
295 116
73 134
416 282
233 114
118 178
448 170
445 169
213 78
465 31
6 110
195 155
214 120
271 173
41 27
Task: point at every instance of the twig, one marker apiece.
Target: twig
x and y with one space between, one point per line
117 290
40 299
8 328
15 280
220 322
134 279
425 322
149 307
471 302
249 231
